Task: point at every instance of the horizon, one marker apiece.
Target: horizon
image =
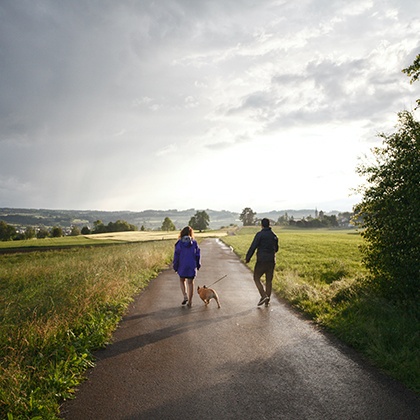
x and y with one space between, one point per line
174 209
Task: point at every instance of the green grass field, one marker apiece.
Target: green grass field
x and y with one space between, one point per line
320 272
57 307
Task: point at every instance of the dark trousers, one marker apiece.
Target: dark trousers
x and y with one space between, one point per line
267 268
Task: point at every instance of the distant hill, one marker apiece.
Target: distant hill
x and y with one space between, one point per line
150 219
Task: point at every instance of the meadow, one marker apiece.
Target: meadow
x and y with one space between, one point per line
320 272
58 306
99 239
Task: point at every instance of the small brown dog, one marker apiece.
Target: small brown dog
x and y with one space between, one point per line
206 294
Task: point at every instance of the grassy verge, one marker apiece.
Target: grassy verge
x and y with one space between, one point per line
320 272
57 307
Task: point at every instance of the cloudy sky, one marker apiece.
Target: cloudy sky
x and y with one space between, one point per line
210 104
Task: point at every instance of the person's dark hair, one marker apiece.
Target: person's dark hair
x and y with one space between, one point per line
187 231
265 222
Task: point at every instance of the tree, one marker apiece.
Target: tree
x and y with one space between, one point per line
42 233
200 221
330 221
30 232
120 226
75 231
413 71
85 230
7 232
56 232
283 220
247 217
98 227
168 225
389 212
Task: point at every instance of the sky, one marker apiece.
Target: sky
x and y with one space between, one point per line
211 104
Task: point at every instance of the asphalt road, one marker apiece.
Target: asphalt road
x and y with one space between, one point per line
237 362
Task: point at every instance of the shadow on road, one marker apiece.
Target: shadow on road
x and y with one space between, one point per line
186 324
277 388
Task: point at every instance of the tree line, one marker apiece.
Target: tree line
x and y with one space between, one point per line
118 226
200 221
9 232
321 220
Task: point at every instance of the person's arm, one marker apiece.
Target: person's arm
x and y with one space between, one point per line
252 248
176 259
198 257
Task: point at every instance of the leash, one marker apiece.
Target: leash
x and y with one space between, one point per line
221 278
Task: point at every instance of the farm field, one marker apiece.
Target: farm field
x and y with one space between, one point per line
102 238
140 236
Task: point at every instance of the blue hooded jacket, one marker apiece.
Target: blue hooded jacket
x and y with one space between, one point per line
187 257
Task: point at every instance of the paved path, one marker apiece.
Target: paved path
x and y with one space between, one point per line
237 362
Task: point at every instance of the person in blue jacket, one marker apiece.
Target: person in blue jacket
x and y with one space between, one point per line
187 260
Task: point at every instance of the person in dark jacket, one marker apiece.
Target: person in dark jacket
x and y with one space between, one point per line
266 244
187 260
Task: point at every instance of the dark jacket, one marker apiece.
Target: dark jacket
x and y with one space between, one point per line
266 243
186 257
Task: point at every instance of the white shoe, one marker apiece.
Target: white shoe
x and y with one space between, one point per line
263 300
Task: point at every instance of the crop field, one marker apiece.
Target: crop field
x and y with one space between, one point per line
154 235
102 238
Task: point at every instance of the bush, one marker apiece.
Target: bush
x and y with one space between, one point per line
389 213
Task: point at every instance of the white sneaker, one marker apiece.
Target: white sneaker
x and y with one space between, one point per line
263 300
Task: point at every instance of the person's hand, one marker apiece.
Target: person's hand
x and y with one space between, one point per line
247 261
198 266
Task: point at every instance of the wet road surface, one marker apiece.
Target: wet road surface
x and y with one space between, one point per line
241 361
